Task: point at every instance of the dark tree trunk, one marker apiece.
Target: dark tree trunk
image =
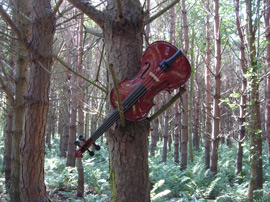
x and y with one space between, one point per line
36 103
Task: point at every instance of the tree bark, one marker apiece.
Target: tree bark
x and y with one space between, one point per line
8 147
215 132
18 107
208 90
165 132
73 125
128 147
184 133
36 103
256 179
267 115
242 113
80 187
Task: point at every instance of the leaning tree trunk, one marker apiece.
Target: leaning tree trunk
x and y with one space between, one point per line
36 103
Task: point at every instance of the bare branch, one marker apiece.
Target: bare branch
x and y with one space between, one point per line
149 20
13 26
56 8
120 13
96 15
93 32
67 67
119 101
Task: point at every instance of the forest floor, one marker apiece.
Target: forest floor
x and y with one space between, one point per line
170 183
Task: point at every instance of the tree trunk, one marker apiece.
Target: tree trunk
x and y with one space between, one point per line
215 132
80 187
256 179
208 90
8 147
267 115
184 133
128 147
154 133
73 125
242 113
36 103
129 175
196 139
165 132
18 108
176 131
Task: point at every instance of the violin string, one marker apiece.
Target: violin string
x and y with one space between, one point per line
115 116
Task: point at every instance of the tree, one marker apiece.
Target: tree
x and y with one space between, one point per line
184 133
122 24
242 113
256 180
37 102
21 62
208 89
216 111
267 36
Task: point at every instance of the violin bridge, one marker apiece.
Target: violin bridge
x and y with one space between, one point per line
154 77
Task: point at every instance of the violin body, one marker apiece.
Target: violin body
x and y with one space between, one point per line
153 78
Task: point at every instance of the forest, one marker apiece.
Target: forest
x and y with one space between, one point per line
205 139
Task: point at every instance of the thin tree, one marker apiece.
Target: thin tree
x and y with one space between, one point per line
208 88
256 179
184 133
216 111
20 28
267 36
242 112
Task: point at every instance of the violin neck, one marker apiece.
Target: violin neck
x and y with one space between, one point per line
130 100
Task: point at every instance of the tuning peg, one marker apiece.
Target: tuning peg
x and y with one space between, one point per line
81 138
77 143
97 147
91 153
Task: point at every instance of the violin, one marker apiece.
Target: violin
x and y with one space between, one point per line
163 67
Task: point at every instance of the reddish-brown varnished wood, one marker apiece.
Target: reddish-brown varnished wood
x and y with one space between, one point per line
153 78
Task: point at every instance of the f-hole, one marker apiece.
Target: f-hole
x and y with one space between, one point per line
147 63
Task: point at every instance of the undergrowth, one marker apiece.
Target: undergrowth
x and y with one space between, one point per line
169 182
